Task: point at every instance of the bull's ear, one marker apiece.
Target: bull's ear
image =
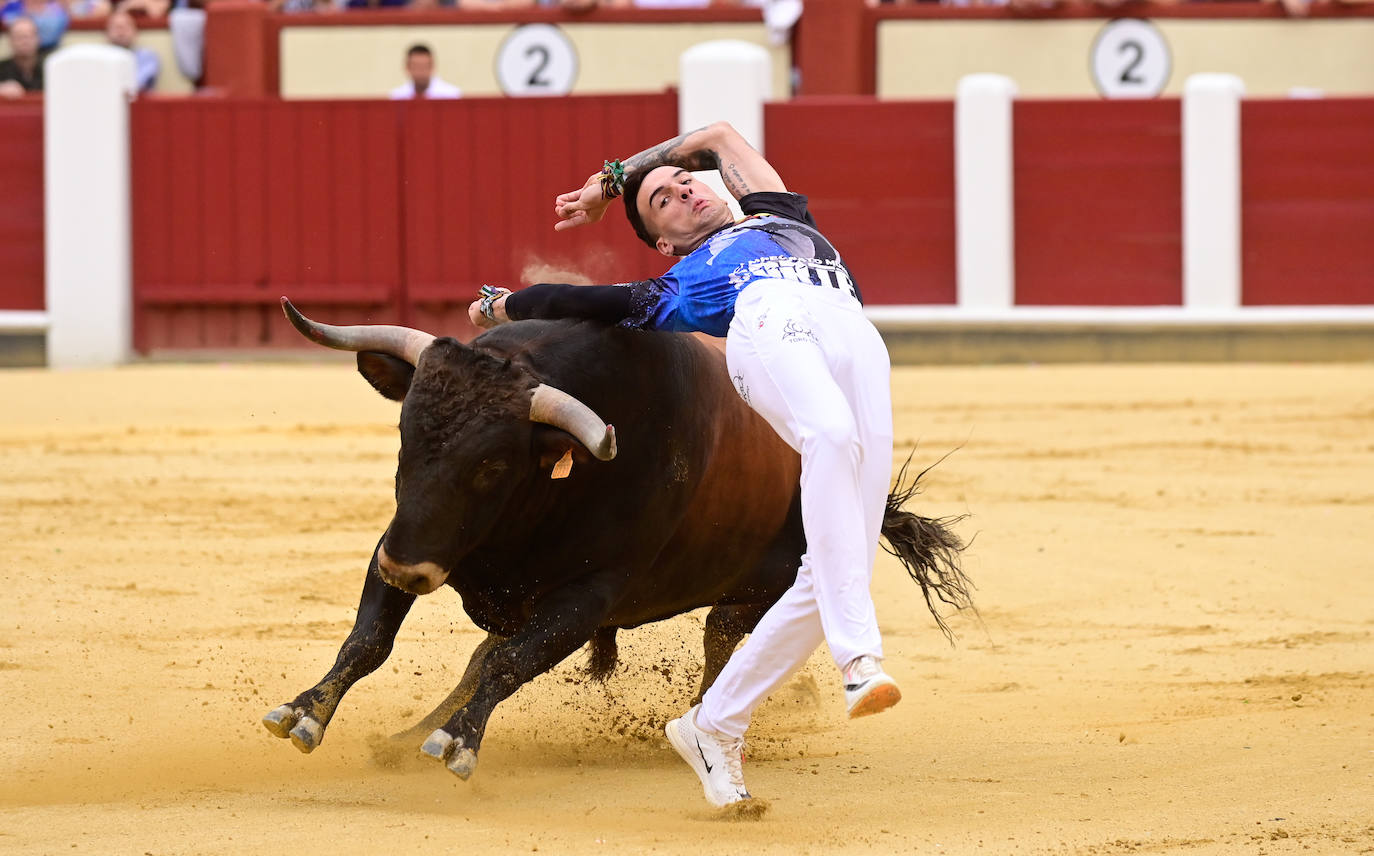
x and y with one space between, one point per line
551 444
388 375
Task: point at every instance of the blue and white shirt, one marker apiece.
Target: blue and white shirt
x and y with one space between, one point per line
777 240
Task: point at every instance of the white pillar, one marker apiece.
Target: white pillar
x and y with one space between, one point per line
724 80
86 205
1211 191
985 246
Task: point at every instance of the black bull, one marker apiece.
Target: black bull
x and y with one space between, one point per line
698 506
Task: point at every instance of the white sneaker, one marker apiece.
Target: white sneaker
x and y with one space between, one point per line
716 759
867 688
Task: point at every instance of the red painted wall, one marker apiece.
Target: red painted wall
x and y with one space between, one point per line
480 180
21 205
1098 203
397 212
1307 201
238 202
364 210
880 177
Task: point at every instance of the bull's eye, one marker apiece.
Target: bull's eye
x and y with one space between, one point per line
488 474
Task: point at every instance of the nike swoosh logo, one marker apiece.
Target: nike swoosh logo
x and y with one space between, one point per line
703 755
852 687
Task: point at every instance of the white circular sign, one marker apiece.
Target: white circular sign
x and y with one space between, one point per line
536 59
1130 59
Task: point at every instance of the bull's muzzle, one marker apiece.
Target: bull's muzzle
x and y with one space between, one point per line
419 578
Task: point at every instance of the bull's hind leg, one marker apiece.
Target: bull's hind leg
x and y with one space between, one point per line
561 623
460 695
381 610
725 626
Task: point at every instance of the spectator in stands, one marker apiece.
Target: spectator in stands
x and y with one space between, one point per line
23 71
150 8
48 16
88 8
423 82
296 6
122 32
779 16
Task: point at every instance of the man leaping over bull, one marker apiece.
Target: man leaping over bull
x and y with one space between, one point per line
801 353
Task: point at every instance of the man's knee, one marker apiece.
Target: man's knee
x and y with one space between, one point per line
833 434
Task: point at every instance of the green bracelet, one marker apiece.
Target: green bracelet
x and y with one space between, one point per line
612 179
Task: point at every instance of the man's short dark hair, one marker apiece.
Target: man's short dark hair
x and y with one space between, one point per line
631 200
420 50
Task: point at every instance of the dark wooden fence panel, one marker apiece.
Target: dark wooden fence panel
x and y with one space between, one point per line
1307 201
1098 203
21 205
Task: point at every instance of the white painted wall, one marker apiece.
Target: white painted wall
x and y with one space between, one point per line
1211 191
984 231
87 214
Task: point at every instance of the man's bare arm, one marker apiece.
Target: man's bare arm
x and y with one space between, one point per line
717 146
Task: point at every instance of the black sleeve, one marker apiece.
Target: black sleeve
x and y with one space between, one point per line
789 205
608 303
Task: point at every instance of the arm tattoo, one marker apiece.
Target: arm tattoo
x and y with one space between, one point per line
670 153
734 182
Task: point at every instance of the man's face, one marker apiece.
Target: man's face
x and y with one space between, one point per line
23 39
680 210
120 29
420 67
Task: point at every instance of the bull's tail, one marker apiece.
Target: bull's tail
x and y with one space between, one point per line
602 654
929 549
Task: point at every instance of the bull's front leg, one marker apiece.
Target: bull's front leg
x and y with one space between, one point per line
561 623
381 610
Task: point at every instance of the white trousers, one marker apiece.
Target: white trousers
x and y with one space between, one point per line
809 361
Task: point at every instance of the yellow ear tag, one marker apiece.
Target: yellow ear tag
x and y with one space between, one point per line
563 468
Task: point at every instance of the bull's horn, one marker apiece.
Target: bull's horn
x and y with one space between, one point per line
555 407
400 342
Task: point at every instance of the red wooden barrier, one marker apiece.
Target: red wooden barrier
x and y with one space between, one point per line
21 212
1307 209
480 180
1098 203
398 211
238 202
880 176
365 210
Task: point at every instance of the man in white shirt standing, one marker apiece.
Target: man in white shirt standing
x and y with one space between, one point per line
423 82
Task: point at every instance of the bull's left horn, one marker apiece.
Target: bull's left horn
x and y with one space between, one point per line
555 407
400 342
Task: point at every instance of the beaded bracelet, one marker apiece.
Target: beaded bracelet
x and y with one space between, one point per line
612 179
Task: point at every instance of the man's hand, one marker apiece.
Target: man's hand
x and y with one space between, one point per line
580 207
11 89
498 307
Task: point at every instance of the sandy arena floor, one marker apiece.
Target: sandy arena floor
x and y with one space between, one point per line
1175 567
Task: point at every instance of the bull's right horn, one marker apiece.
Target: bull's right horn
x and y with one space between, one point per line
555 407
402 342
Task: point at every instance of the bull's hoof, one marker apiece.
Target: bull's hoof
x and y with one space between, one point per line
459 759
462 762
307 734
280 721
437 744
